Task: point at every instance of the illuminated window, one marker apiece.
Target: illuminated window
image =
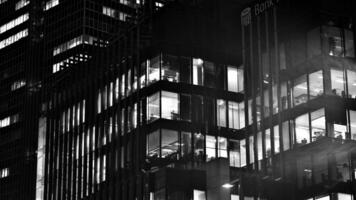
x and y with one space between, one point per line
83 39
50 4
170 105
259 146
302 129
210 147
153 69
318 124
186 144
153 107
13 23
17 85
9 120
286 136
222 147
243 153
268 150
236 115
198 71
20 4
235 79
14 38
343 196
115 13
352 123
143 74
221 112
4 173
170 68
199 195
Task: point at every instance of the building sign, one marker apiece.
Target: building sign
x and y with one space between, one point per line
258 8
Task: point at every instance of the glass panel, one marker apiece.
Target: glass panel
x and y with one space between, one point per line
302 129
243 152
340 131
199 147
266 107
251 150
170 105
209 74
221 112
337 82
169 142
143 74
353 124
210 147
268 143
153 70
333 41
185 70
286 137
276 138
170 68
316 86
318 124
233 115
300 90
198 71
153 107
351 83
274 99
186 144
222 147
284 96
242 115
234 153
259 146
153 144
250 120
323 198
185 107
349 43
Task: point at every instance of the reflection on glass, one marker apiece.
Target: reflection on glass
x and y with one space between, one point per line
143 74
302 129
170 105
170 68
169 142
351 84
318 124
199 147
353 124
153 107
210 147
316 86
153 69
153 144
300 90
198 71
221 112
284 96
186 144
337 82
340 131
